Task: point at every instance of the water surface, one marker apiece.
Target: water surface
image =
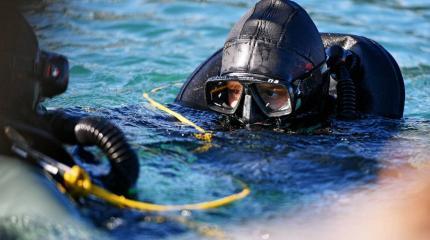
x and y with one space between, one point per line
119 49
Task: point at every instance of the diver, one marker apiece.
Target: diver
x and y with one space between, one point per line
30 75
277 70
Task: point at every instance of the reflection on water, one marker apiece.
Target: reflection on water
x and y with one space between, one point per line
119 49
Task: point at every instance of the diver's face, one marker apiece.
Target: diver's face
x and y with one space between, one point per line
235 90
249 102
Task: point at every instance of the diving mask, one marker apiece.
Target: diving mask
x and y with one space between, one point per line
274 98
224 95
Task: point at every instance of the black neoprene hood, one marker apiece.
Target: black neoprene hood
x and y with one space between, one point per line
276 39
28 75
19 51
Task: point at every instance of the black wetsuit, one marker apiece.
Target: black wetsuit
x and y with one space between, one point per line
48 133
379 82
37 134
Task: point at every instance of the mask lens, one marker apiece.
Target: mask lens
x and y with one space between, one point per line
274 97
224 94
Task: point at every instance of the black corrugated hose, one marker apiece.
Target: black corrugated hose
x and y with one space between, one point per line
341 63
347 108
96 131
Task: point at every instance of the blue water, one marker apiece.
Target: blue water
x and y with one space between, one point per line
119 49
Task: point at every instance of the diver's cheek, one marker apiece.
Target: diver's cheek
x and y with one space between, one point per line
233 100
233 103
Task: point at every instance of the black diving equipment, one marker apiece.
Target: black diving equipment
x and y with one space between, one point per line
49 69
276 53
22 148
96 131
28 76
224 96
274 98
53 73
275 32
342 64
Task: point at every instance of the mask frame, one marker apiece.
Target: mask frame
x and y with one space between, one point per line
248 82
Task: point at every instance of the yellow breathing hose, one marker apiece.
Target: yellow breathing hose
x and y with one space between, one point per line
79 182
202 135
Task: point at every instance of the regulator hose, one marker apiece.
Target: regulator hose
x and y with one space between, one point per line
338 61
96 131
346 94
111 140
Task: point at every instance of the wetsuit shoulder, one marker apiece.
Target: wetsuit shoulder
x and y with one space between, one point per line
379 81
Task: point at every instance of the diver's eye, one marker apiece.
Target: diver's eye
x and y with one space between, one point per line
274 97
234 91
271 94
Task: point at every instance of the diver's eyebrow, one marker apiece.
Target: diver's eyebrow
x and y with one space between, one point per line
217 89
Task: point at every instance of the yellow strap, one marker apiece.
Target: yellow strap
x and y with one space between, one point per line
78 180
202 135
